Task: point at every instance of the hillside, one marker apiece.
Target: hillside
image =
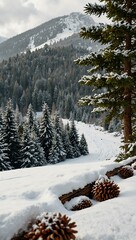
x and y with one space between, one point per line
45 75
55 30
26 193
2 39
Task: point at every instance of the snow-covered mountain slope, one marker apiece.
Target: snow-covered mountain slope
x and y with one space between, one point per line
2 39
49 32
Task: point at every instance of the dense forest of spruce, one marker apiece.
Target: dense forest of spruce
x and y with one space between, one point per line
45 75
32 141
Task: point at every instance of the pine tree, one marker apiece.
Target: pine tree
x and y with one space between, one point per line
28 150
74 140
31 122
1 120
67 144
32 152
113 68
46 131
10 136
4 159
58 126
83 146
54 151
39 153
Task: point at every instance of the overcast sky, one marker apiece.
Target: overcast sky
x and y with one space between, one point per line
17 16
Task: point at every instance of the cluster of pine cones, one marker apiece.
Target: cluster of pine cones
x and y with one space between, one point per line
105 189
50 227
126 172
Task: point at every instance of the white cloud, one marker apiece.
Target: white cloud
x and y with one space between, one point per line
20 15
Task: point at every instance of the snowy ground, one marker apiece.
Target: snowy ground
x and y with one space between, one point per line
26 193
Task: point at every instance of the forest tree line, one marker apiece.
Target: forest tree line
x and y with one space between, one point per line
32 141
45 75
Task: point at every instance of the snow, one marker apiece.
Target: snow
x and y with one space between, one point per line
73 25
27 193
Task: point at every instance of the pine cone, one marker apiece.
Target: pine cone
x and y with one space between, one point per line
126 172
50 227
105 189
81 205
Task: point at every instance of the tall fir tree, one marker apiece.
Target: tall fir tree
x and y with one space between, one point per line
67 144
10 136
28 150
4 159
32 152
74 140
113 69
83 145
58 127
1 120
46 131
31 122
54 151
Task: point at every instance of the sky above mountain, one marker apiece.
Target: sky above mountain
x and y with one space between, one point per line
21 15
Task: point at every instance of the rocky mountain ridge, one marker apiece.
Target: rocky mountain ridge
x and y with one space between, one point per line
60 31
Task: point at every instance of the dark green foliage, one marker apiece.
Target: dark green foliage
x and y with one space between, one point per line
74 140
113 73
28 150
83 146
46 131
46 75
58 138
10 136
67 144
27 146
55 154
32 152
1 120
4 159
32 123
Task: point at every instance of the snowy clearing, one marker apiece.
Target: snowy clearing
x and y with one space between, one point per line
26 193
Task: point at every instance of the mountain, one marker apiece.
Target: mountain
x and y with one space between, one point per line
60 31
2 39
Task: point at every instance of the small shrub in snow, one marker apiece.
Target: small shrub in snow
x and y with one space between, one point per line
78 203
126 172
105 189
49 227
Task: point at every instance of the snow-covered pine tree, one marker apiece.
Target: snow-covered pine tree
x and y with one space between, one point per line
83 145
58 127
10 136
32 152
30 118
4 159
39 152
113 69
31 121
54 151
28 150
46 131
74 139
1 120
66 142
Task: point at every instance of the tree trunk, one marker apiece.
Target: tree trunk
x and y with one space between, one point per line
128 90
127 119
